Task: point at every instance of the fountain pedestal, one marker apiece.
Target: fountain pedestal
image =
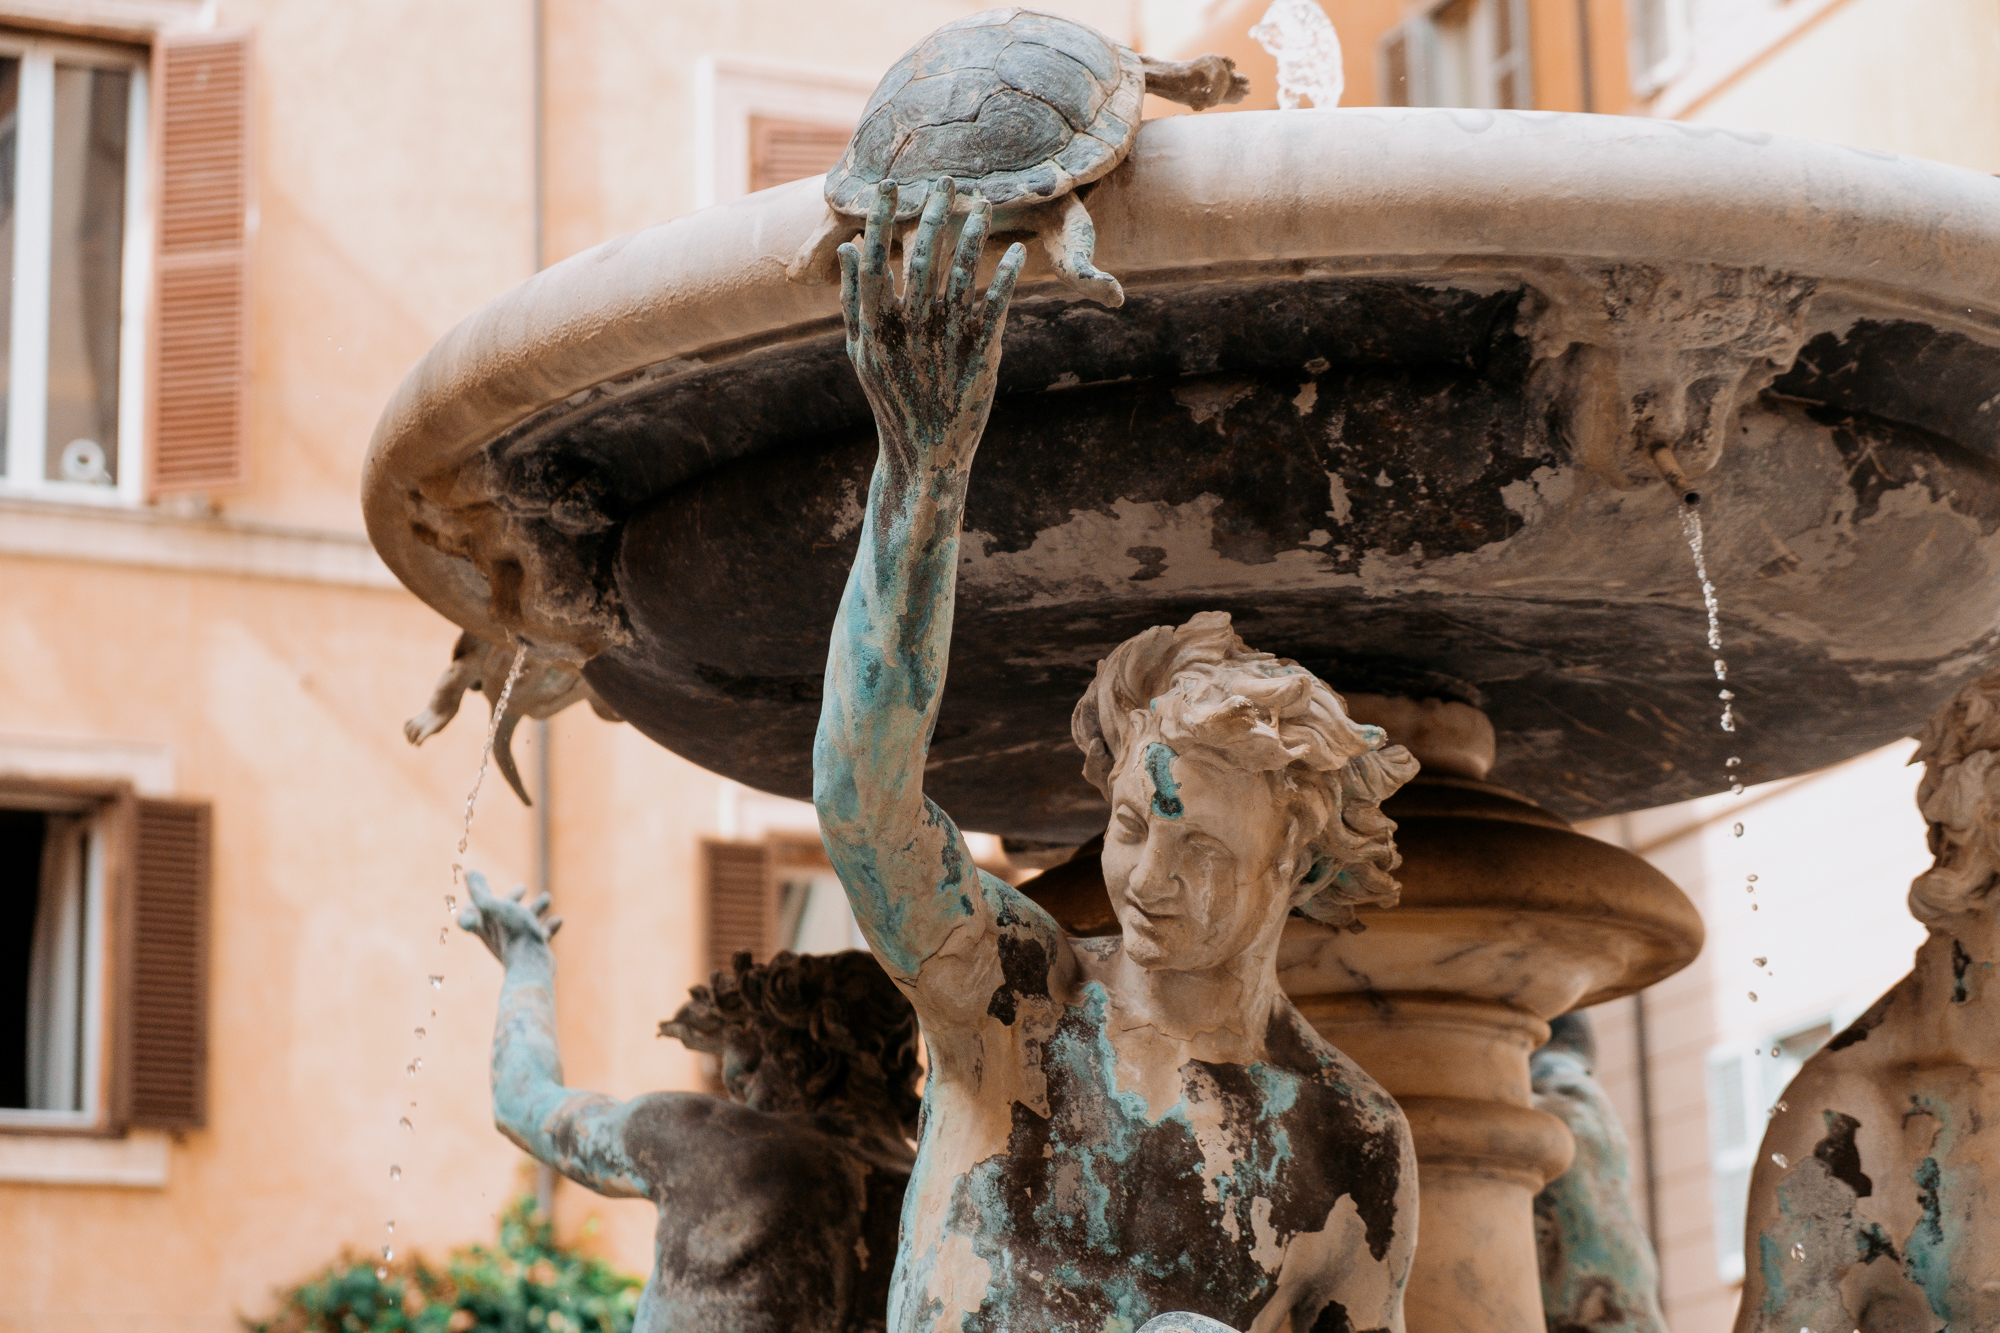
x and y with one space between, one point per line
1508 918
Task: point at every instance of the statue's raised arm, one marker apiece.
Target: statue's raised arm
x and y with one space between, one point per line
928 360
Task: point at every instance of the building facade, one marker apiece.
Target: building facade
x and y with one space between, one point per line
227 974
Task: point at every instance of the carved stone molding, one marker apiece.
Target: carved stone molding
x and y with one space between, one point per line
1639 356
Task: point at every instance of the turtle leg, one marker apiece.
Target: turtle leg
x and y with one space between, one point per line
1200 83
1067 234
818 261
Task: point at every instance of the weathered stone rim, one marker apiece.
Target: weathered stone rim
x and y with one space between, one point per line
1253 191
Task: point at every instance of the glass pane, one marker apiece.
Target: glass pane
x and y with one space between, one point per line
10 137
86 272
22 835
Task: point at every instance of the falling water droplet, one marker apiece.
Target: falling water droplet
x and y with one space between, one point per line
492 734
1751 878
1777 1051
1735 789
388 1253
1732 762
404 1123
437 982
1753 997
1721 669
414 1065
391 1224
444 934
395 1173
1725 695
420 1034
1798 1250
1760 961
1753 907
1736 829
381 1273
1784 1162
450 901
1784 1105
1749 888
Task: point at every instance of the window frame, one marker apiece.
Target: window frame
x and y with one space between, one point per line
111 807
1418 38
731 91
26 447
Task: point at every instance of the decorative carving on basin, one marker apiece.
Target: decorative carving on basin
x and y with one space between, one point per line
1396 406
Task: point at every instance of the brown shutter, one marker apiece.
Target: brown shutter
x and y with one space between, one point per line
166 994
742 901
201 309
789 150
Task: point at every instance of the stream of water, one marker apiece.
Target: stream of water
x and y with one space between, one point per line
433 979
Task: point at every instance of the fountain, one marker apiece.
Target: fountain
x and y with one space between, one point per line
1417 397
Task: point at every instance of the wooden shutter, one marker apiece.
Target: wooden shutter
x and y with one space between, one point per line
742 901
789 150
165 995
201 309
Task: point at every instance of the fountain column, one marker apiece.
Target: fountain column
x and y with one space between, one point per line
1508 918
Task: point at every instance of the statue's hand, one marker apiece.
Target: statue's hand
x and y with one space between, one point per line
928 360
503 923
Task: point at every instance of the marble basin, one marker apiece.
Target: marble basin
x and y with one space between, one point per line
1390 386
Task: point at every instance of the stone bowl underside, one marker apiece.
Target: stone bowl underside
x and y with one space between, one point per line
1384 388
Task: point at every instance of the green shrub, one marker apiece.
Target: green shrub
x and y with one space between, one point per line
527 1285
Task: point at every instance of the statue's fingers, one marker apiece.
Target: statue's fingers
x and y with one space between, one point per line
555 924
850 289
475 884
471 919
923 249
875 236
540 905
520 892
1001 290
971 242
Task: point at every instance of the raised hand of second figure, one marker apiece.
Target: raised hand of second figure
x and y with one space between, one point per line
928 360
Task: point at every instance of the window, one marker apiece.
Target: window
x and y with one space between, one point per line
762 123
1470 53
51 963
774 895
1744 1083
72 252
788 150
103 903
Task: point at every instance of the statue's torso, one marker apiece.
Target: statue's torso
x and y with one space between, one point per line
766 1221
1073 1205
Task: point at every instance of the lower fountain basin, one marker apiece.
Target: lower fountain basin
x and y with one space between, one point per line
1387 387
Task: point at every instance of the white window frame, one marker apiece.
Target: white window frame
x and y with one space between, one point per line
94 1045
1421 44
1649 77
732 90
27 407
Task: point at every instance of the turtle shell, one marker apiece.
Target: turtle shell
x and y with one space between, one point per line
1018 105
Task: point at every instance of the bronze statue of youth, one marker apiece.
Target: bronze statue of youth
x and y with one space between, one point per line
1112 1129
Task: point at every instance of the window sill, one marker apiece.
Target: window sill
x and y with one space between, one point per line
136 1161
158 539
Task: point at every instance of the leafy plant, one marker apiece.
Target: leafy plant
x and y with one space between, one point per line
529 1284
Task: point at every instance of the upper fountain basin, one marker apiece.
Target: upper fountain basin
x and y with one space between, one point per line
1388 386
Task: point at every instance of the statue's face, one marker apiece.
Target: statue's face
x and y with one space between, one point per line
1191 860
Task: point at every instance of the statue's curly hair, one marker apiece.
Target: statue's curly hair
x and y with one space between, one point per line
1199 687
1960 798
834 1025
